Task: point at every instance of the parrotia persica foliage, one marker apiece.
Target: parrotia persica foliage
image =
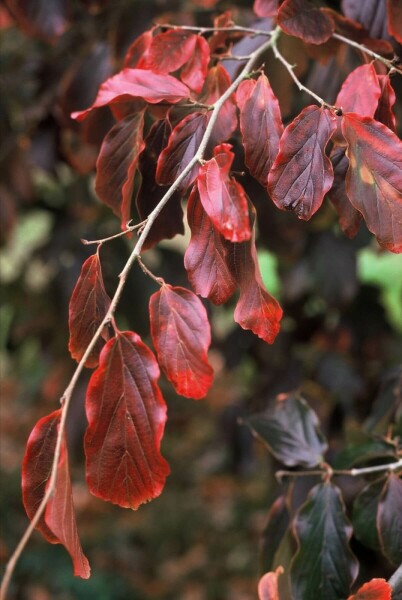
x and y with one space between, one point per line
172 101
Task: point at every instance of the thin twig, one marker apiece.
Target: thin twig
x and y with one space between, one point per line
349 472
158 280
129 229
66 398
234 29
363 48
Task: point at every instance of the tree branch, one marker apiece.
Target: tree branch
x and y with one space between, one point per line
362 48
349 472
66 397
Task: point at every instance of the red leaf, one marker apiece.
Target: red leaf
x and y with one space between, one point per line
256 309
117 164
394 10
260 124
349 217
125 428
376 589
183 144
206 256
384 112
138 50
181 336
303 20
265 8
222 197
195 71
89 304
373 180
360 91
216 83
302 173
137 83
169 51
268 585
57 524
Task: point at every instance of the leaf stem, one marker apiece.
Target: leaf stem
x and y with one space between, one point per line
66 397
129 229
159 280
388 63
349 472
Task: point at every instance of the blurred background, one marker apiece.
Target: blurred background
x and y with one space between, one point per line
340 342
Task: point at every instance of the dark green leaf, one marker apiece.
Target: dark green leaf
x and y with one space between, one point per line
365 451
324 566
290 429
389 519
275 529
364 517
386 402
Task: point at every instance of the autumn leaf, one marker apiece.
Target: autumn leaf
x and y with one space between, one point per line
349 217
169 51
304 20
376 589
216 83
360 91
265 8
181 336
268 585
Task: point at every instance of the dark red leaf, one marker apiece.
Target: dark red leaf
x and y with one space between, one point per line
349 217
169 51
181 336
384 112
389 519
183 144
260 125
394 11
138 50
206 256
373 180
360 91
117 164
122 442
303 20
170 220
223 198
137 83
376 589
302 173
265 8
57 524
195 70
89 304
268 585
216 83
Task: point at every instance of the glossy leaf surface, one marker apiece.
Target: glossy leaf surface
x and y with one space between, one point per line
389 519
374 177
57 524
89 304
323 534
137 83
360 91
117 164
181 336
302 173
169 51
376 589
206 257
122 443
290 430
260 124
223 198
304 20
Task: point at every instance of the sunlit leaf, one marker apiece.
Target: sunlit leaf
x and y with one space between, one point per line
376 589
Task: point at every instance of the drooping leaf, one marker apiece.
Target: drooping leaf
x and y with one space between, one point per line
302 173
373 180
117 164
89 304
265 8
57 524
206 258
138 50
304 20
365 507
274 531
268 585
169 51
260 125
376 589
223 198
216 83
360 91
394 11
182 146
290 430
324 566
122 443
181 336
170 220
195 70
384 112
130 84
389 519
349 217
